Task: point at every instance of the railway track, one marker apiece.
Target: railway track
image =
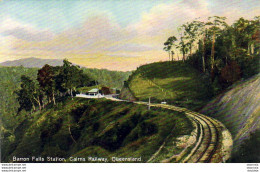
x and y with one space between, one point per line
214 142
209 141
208 145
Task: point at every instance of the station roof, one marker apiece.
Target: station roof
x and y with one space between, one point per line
94 90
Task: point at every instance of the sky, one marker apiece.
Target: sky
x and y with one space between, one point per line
111 34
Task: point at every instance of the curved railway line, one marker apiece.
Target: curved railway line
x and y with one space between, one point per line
209 143
213 141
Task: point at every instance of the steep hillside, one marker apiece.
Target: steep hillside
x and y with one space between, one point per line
238 109
174 82
94 128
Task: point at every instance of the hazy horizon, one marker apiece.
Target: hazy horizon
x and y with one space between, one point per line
116 35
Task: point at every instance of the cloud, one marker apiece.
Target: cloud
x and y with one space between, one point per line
101 36
131 47
240 13
169 16
24 31
99 25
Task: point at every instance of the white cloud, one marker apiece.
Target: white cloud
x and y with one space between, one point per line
170 16
131 47
101 35
24 31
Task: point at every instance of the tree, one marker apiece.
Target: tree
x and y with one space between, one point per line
24 94
183 48
84 79
183 45
204 51
225 52
59 80
72 76
191 33
68 74
46 81
168 46
29 94
256 37
245 31
230 73
216 24
167 49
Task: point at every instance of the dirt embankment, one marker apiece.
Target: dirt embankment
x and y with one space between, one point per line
238 109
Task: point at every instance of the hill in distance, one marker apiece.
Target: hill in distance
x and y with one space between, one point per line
33 62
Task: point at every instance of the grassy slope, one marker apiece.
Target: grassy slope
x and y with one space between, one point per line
238 109
175 83
93 124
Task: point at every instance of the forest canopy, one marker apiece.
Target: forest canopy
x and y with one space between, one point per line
225 52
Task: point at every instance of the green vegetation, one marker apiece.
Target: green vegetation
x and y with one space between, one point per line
9 83
112 79
214 56
224 52
22 82
88 127
53 82
40 117
176 83
249 150
78 127
238 109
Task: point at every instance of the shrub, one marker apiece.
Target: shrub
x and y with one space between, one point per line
230 74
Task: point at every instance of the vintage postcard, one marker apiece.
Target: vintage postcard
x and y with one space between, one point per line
133 81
